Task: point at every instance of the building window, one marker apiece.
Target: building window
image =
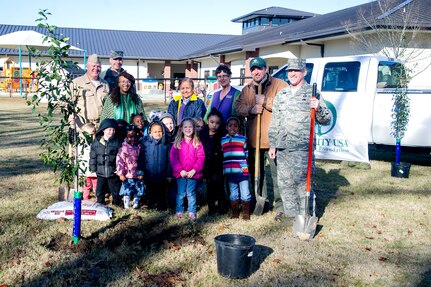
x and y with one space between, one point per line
264 21
276 22
206 74
213 73
285 21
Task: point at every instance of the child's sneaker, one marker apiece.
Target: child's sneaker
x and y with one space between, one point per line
192 216
135 203
126 200
179 214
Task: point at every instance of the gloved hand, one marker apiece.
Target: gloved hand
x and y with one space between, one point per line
257 109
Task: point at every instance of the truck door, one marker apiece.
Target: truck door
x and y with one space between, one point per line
418 129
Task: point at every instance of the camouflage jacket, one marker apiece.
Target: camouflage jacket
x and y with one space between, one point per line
290 125
111 77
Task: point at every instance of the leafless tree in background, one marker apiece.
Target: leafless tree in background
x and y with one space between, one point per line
395 29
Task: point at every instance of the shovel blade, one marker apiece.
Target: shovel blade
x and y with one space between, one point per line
260 204
304 227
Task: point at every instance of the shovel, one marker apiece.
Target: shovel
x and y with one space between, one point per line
260 200
305 225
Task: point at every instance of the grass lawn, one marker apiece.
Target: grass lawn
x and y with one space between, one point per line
374 230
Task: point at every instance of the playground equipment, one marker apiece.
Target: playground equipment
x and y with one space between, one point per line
10 78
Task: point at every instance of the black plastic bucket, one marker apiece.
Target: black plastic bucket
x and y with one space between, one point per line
401 170
234 255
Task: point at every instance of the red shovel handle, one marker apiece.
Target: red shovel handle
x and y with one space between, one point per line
310 144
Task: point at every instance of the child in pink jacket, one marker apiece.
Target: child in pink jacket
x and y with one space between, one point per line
187 159
127 168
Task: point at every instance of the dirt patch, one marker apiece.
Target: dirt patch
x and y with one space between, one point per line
133 232
63 242
167 279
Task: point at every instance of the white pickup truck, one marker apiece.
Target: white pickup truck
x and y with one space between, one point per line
359 92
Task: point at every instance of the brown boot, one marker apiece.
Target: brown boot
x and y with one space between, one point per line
246 210
234 205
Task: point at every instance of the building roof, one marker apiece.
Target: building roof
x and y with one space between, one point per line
183 46
273 12
135 44
323 26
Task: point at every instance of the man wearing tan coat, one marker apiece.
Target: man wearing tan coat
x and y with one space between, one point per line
248 105
89 92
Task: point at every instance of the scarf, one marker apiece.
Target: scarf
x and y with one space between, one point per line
125 109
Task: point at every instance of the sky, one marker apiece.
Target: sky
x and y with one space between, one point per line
188 16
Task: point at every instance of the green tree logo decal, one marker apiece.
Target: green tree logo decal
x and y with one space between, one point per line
322 130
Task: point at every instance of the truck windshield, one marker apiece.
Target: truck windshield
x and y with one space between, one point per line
341 76
282 73
391 75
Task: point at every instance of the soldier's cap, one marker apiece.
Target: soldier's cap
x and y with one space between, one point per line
116 54
94 58
257 62
295 64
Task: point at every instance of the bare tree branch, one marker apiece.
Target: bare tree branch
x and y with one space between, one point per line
392 28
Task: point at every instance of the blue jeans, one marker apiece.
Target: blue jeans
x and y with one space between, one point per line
132 187
186 187
244 191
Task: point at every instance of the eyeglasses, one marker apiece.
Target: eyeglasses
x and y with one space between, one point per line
222 76
125 82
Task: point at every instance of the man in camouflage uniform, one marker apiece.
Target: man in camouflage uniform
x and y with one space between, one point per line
89 91
289 135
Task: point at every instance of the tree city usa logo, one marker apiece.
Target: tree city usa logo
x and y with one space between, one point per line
324 141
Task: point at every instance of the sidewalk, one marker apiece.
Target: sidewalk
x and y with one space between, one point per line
12 95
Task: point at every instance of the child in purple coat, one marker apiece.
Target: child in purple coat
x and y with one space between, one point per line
187 160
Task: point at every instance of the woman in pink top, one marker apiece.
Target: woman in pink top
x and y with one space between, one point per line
187 159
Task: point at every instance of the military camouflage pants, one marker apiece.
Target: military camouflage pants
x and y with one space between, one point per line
292 176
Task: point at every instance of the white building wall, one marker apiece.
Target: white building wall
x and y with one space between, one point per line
279 51
341 47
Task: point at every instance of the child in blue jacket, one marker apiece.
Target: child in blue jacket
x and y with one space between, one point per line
154 161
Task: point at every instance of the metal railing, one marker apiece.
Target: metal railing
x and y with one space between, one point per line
172 88
12 84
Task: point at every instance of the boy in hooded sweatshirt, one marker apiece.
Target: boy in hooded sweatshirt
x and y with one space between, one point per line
154 161
103 155
170 132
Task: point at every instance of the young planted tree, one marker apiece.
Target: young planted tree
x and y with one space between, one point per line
392 28
55 88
